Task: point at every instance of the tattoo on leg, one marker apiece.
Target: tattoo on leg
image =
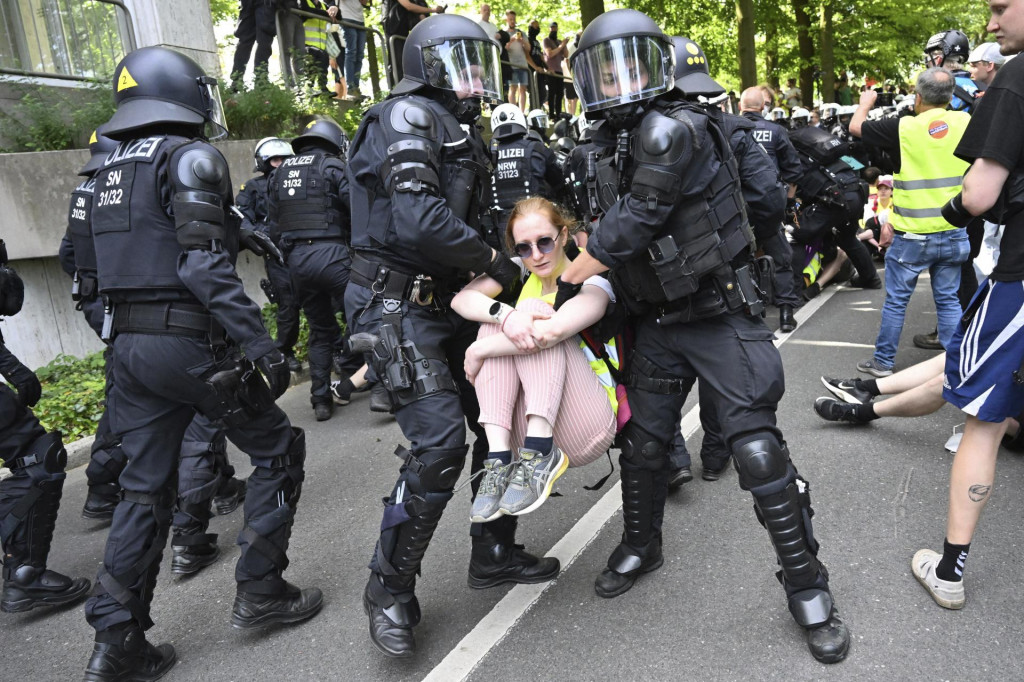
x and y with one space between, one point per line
978 493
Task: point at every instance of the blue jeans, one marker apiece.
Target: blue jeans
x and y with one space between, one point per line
355 47
940 253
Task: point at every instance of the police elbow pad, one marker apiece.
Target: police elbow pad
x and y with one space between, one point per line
201 181
411 167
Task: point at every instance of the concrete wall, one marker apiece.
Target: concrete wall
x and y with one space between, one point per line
34 193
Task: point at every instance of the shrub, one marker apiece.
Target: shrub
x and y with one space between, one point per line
73 398
51 120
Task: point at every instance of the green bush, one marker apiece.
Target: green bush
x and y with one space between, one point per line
73 398
272 110
51 120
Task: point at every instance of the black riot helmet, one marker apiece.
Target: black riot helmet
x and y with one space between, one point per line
622 61
155 85
947 44
269 148
455 57
99 146
324 134
692 75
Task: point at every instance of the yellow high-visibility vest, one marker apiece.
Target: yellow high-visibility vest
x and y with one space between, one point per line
316 29
929 173
532 289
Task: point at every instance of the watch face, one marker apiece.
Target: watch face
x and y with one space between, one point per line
495 308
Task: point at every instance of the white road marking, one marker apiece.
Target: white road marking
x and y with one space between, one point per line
492 628
837 344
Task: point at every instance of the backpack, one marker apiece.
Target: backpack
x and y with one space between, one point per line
818 144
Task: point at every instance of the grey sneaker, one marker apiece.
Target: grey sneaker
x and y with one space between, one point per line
487 505
872 368
532 479
846 390
947 594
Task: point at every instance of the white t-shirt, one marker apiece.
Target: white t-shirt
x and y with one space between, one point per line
351 10
489 28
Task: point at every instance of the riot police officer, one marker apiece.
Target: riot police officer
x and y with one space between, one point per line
78 259
30 496
677 242
950 49
523 167
179 322
252 201
416 175
309 213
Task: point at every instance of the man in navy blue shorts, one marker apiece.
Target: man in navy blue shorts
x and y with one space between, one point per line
985 360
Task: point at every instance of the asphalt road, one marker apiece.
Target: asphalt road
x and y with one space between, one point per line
713 612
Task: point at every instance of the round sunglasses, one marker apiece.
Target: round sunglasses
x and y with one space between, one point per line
545 245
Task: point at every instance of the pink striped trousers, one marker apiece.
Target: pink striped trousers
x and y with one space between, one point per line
557 384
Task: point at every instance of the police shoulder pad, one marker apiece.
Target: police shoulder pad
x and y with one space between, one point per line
663 139
407 116
200 166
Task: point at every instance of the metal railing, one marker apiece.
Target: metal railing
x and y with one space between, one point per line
67 35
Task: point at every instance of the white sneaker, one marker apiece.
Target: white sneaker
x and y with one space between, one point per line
947 594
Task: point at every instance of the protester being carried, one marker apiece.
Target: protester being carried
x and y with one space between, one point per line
532 377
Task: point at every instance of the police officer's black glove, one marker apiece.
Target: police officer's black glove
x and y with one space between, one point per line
260 244
504 271
274 367
565 292
27 383
954 212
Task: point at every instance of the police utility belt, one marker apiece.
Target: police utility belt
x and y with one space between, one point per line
727 290
388 283
170 319
84 287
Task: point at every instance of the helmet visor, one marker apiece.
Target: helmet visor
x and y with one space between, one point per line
469 68
623 70
216 123
274 147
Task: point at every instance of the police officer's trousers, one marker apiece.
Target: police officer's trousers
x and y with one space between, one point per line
287 306
320 275
435 426
158 381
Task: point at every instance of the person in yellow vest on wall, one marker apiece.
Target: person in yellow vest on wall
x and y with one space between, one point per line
317 58
919 239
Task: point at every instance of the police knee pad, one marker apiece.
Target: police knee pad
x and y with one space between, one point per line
106 461
433 470
640 450
45 461
760 460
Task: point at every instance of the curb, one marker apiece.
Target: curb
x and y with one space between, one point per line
80 450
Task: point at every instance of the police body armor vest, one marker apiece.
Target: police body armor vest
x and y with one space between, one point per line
462 173
136 244
80 227
511 180
307 208
703 235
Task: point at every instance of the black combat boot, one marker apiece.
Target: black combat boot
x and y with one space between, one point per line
787 322
193 553
323 411
254 610
101 501
124 655
27 587
230 494
830 641
392 618
494 561
640 549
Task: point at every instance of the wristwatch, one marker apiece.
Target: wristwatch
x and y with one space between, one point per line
498 311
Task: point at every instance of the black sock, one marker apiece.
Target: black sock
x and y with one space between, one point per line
951 566
503 456
865 412
869 385
541 445
345 386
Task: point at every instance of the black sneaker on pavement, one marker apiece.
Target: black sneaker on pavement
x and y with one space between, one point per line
847 391
832 410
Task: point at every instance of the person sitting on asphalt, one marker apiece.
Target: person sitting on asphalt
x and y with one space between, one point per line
531 376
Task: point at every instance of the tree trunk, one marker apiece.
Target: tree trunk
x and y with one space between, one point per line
371 52
801 9
590 9
825 43
771 55
747 54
